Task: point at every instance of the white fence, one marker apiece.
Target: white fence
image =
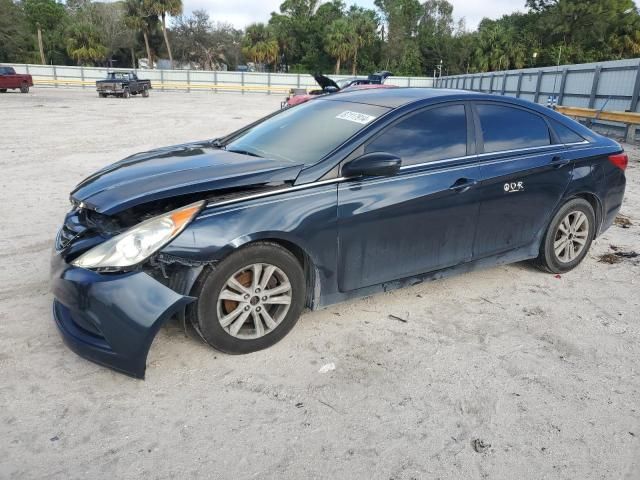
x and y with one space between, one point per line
193 80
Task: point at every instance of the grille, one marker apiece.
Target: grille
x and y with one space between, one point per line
72 228
65 237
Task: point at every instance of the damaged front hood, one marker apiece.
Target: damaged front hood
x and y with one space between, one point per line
178 170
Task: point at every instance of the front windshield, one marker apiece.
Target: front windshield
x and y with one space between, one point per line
306 133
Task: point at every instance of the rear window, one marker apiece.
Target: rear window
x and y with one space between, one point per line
507 128
565 134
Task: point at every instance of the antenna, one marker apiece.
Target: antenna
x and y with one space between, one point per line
555 80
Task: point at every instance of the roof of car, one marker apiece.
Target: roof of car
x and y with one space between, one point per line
396 97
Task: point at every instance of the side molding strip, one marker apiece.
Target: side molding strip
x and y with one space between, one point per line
274 192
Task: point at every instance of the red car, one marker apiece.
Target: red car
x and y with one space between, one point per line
9 79
298 96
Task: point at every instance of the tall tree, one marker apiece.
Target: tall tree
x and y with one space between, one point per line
108 19
47 16
364 24
260 44
402 19
339 44
83 44
163 8
197 40
435 32
15 39
139 17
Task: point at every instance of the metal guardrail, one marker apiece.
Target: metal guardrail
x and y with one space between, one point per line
628 118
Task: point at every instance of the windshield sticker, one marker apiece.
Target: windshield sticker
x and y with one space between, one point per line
362 118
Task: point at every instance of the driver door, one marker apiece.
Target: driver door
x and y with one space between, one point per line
421 219
4 78
133 83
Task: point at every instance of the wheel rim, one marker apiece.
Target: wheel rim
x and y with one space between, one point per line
571 236
254 301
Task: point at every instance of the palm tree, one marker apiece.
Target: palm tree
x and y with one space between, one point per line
139 17
83 44
164 8
338 41
260 44
363 31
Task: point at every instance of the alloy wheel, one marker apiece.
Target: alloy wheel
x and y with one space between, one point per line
254 301
571 236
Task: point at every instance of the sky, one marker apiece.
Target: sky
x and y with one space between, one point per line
240 13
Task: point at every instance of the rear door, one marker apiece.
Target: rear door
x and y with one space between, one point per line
524 174
421 219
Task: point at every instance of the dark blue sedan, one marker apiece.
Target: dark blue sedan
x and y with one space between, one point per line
340 197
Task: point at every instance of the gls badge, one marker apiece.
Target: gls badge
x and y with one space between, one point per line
514 187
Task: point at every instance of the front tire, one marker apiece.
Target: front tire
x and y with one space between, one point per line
24 88
250 300
145 92
568 237
126 93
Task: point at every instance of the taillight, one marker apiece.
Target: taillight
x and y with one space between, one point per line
620 160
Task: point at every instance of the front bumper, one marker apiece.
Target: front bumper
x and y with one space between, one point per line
111 319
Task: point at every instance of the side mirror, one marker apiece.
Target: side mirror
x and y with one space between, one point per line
374 164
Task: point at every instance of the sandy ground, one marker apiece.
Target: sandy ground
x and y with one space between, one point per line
539 373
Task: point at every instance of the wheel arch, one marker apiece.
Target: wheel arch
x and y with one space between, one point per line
292 245
311 273
595 203
590 197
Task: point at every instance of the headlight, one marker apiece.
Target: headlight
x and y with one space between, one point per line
139 242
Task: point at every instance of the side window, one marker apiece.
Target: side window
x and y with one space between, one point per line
435 134
507 128
565 134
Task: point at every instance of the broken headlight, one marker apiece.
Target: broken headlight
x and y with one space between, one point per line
139 242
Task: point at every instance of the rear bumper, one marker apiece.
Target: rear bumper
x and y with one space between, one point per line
616 183
111 319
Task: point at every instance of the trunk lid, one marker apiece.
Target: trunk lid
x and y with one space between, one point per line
325 82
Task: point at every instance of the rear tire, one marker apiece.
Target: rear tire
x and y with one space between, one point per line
102 95
24 88
126 93
3 90
254 314
568 237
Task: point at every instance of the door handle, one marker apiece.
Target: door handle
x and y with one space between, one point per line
559 161
463 184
